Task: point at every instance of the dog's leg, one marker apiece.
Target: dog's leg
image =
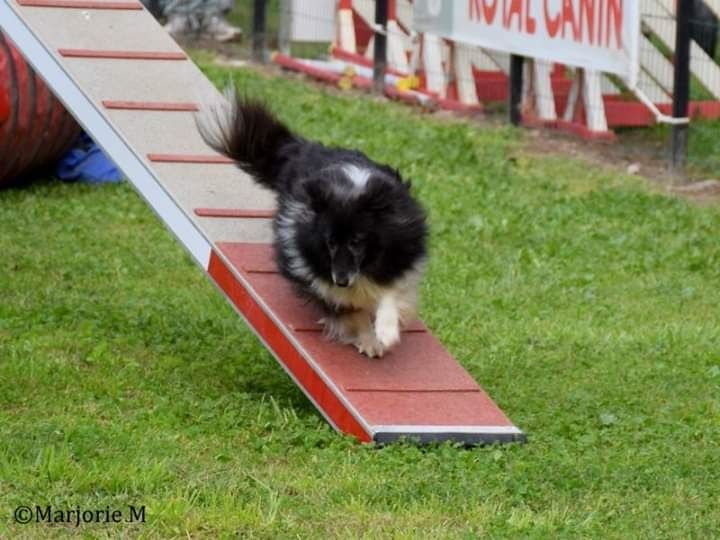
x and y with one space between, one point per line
367 342
355 328
387 321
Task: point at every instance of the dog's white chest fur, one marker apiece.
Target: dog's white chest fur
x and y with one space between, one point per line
364 294
369 296
380 311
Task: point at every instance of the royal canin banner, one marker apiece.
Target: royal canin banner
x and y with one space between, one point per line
595 34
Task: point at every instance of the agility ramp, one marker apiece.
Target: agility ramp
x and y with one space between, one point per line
135 91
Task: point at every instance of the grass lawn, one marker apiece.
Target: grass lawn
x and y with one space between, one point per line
584 303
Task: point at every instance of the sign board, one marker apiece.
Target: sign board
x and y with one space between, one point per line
602 35
312 20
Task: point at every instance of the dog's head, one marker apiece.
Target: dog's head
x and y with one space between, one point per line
365 223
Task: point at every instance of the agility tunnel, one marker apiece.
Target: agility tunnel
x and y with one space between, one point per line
35 128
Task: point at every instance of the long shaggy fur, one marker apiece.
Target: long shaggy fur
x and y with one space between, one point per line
347 231
250 135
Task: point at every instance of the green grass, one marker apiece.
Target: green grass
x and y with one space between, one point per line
586 305
242 16
704 147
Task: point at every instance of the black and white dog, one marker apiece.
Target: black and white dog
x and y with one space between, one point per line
347 231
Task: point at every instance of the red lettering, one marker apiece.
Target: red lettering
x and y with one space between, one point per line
594 22
514 10
552 23
474 10
530 23
587 19
483 9
568 16
614 22
489 10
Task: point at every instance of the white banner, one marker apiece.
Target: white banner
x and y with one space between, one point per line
312 20
595 34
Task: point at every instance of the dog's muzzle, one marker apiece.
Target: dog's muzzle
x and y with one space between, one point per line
343 280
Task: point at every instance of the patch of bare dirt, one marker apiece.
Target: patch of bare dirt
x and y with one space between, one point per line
612 155
647 159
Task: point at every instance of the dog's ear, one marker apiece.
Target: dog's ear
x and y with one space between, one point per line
377 197
318 196
395 173
392 173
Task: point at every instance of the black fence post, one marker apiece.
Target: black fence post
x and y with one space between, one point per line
258 31
515 90
681 84
380 56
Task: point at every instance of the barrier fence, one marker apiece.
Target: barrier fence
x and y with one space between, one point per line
643 72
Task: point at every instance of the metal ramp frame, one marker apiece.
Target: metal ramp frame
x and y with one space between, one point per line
96 56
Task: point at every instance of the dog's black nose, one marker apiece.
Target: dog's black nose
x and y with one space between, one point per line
342 281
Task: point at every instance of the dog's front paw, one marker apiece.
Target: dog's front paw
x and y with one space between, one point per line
387 331
368 345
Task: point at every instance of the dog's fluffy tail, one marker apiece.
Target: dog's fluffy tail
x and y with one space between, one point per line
247 132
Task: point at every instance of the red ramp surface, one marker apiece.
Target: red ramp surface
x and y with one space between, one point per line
417 390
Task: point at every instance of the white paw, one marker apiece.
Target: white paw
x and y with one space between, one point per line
387 331
369 346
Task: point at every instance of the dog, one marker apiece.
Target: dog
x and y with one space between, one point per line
347 231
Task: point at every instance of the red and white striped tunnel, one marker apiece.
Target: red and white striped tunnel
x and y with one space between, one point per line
35 128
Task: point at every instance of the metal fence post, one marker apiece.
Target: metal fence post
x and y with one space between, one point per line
258 31
681 84
380 57
285 23
515 90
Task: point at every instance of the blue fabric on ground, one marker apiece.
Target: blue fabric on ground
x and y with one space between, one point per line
86 162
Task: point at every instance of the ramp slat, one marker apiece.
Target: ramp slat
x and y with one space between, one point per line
233 213
81 4
122 55
149 105
190 158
